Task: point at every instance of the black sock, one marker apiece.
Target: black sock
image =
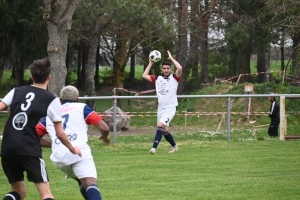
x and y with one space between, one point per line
12 196
168 136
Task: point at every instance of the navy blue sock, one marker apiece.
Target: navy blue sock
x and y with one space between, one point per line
49 199
158 136
168 136
83 191
12 195
93 192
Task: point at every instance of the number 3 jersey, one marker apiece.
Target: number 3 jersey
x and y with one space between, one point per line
28 104
76 118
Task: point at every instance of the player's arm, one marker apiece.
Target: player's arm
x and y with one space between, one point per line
7 100
146 75
62 136
3 106
42 131
104 130
177 65
92 118
45 143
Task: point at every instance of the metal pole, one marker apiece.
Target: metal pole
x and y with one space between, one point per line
115 121
228 119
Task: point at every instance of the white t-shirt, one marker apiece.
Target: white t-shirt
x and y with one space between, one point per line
166 90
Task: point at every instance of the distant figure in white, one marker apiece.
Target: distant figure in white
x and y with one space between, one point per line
166 89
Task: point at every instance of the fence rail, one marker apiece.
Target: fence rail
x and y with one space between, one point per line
228 113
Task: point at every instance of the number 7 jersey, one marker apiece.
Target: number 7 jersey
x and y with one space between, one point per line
76 118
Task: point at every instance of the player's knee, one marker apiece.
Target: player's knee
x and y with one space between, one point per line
159 128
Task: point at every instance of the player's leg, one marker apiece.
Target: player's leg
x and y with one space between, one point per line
81 188
159 132
44 190
37 173
157 138
18 191
85 171
166 119
13 169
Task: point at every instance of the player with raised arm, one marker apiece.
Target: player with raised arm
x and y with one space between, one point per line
21 150
166 89
77 117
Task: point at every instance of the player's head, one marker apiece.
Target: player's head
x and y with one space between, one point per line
40 70
272 98
69 93
166 69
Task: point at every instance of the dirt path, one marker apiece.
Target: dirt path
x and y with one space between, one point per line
145 130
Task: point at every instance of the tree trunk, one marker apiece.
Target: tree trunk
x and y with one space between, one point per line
263 65
245 60
89 73
203 41
132 71
97 82
58 15
145 53
295 55
183 43
192 60
83 64
121 59
18 65
79 57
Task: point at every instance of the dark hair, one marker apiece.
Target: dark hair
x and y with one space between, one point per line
166 63
40 70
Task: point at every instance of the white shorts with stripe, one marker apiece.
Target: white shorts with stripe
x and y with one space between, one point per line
165 115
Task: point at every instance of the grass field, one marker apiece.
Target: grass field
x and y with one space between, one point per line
205 167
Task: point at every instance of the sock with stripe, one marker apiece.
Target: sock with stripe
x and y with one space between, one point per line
93 192
158 136
12 196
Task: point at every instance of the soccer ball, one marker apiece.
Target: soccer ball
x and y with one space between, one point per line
155 56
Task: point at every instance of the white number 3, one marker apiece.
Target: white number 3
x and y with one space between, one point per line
29 97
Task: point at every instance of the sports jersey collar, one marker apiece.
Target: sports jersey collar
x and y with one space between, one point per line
66 101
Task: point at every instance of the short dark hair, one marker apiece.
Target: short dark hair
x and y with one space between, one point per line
40 70
166 63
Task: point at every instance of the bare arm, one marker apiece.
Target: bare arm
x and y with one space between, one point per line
2 106
45 143
104 130
177 65
62 136
146 75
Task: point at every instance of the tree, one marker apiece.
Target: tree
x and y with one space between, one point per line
127 31
58 15
21 22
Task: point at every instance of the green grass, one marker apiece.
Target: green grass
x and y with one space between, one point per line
211 168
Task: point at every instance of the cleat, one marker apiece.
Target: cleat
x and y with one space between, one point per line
152 151
173 149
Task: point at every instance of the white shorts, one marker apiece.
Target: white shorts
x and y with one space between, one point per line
165 115
81 169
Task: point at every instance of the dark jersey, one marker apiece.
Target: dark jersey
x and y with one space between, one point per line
28 104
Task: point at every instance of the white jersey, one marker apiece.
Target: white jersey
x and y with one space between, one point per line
166 90
76 117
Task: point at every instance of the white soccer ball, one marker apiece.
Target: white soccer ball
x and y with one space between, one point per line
155 56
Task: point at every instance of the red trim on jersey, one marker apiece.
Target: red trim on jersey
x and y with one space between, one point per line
41 130
176 78
93 118
152 78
